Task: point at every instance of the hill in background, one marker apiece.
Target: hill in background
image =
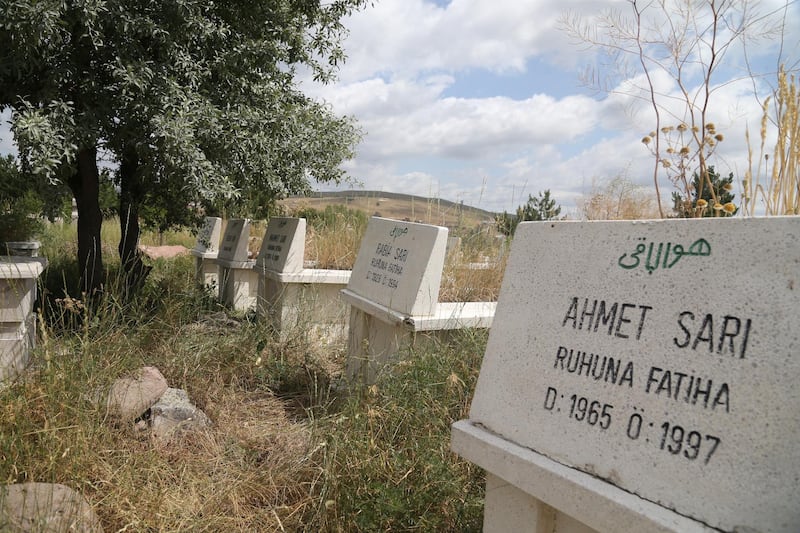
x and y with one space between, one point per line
398 206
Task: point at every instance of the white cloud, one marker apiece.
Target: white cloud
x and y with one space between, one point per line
411 36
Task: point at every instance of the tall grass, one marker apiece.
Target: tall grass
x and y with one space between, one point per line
773 178
287 451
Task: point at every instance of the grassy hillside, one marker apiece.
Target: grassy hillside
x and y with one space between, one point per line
397 206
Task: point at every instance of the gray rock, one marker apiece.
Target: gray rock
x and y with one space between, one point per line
45 508
174 414
130 398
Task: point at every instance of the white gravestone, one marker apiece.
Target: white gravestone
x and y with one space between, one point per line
643 376
293 297
284 245
205 252
238 283
394 293
18 278
399 265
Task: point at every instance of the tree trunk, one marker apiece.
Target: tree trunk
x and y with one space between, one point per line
85 186
130 196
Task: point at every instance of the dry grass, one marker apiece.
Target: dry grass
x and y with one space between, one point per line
772 183
286 451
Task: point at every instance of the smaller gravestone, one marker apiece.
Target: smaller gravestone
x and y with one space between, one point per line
208 237
238 283
206 250
399 266
234 242
283 246
296 299
394 295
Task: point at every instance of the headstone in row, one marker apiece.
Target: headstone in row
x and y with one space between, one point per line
238 282
642 376
205 252
289 295
394 294
18 278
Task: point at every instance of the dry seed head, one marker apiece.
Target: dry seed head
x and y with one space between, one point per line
682 127
718 206
701 203
727 187
719 137
729 208
646 140
685 150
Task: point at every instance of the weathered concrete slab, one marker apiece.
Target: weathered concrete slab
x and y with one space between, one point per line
660 357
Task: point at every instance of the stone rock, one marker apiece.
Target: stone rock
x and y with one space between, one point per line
45 508
174 414
130 398
163 252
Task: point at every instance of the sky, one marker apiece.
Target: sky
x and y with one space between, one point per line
483 101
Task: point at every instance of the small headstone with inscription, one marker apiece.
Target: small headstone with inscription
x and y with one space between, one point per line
205 252
289 295
238 282
394 293
642 376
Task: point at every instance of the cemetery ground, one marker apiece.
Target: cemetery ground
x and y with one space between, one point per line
289 448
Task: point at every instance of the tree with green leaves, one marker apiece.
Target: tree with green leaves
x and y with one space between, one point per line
197 102
540 208
715 200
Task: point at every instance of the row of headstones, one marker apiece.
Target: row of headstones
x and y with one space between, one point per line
639 376
391 295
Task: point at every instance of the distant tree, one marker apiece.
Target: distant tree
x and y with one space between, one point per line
713 201
540 208
197 101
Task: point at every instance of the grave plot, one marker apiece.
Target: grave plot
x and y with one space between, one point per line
393 293
642 376
238 282
205 252
18 277
291 296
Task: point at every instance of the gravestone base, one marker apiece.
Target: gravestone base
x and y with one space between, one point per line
15 343
238 284
372 344
528 492
296 301
378 335
206 269
18 277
